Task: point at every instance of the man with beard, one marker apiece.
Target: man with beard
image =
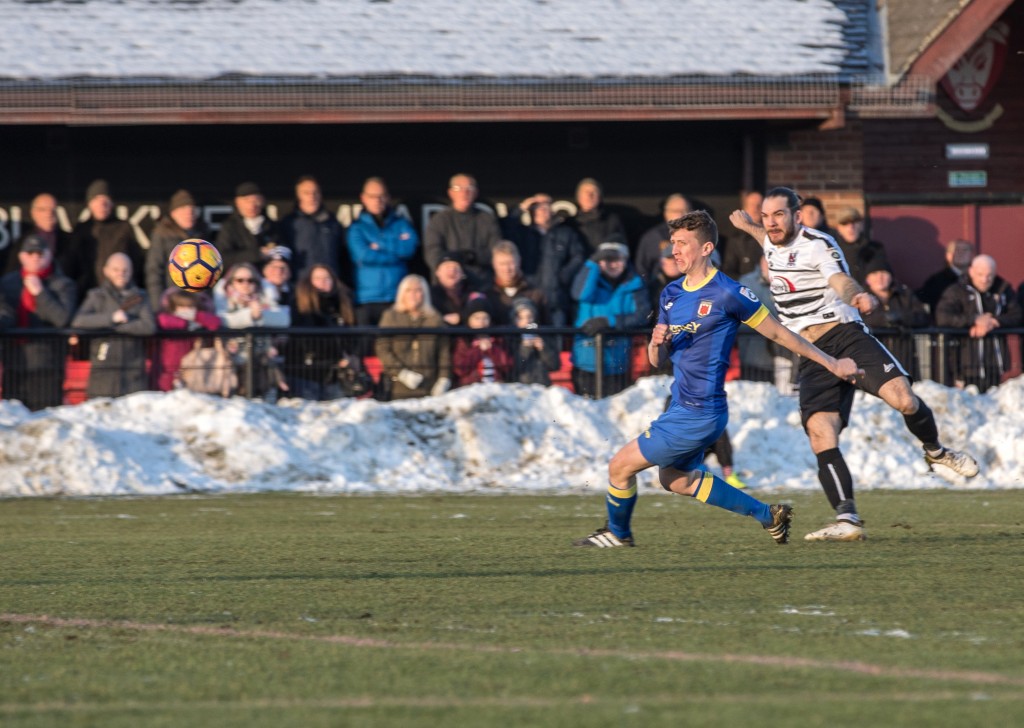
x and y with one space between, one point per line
817 298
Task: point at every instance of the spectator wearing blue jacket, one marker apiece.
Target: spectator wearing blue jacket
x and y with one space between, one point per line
380 241
313 234
611 297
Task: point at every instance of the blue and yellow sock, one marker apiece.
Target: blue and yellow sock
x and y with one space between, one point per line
620 502
716 492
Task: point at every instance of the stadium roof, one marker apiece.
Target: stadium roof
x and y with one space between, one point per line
160 61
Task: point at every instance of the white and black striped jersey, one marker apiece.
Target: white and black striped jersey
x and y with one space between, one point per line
799 273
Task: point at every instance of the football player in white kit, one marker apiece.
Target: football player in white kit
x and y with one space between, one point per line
816 297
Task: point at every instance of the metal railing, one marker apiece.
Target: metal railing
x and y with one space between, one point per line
48 367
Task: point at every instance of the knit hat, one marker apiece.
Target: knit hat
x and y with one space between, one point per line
523 303
476 303
815 203
96 188
182 198
876 264
247 188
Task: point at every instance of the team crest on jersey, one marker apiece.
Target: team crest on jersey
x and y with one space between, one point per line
704 308
792 259
747 293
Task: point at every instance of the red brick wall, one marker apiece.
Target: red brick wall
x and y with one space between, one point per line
828 164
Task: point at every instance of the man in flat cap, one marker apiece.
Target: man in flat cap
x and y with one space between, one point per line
181 222
247 232
98 237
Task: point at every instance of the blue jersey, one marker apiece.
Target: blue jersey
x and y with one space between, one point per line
702 323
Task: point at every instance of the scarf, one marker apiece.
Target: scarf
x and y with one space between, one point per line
27 302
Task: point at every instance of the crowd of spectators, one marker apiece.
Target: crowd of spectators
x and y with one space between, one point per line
524 272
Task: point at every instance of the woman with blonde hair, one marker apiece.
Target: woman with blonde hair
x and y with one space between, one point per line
414 365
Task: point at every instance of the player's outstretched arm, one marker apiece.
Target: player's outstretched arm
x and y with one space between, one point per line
851 293
771 329
742 221
657 348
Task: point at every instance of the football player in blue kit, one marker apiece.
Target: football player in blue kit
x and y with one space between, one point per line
698 316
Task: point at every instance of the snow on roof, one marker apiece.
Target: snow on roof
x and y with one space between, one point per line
203 39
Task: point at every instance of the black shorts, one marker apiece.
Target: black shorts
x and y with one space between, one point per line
822 391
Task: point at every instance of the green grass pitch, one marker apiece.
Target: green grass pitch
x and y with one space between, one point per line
300 610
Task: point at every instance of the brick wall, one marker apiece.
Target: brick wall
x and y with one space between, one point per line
823 163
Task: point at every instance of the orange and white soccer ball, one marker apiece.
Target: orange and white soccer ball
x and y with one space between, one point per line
195 265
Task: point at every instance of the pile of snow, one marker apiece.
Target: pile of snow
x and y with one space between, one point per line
484 438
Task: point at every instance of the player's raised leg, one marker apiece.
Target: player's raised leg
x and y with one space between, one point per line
920 420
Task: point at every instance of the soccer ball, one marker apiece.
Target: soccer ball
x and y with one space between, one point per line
195 265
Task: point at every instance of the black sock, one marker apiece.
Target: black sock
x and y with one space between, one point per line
835 477
922 426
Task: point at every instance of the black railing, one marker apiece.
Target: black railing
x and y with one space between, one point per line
48 367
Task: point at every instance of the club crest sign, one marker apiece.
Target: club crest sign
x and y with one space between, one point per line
970 81
704 308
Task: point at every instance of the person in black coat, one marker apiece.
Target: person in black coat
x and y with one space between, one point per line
247 232
596 223
982 303
859 250
39 296
94 240
959 254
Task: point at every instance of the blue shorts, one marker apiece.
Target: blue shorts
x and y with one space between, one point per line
680 436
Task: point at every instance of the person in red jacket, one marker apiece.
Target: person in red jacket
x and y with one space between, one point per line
480 358
183 311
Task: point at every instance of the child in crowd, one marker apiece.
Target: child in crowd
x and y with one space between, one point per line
182 311
537 355
480 358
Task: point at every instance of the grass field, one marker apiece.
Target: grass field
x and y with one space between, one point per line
295 610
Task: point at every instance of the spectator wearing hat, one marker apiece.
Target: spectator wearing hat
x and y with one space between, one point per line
313 234
452 289
381 243
559 251
247 232
181 222
536 356
462 228
595 222
98 237
43 216
509 283
654 242
38 296
858 249
277 276
812 215
481 357
898 309
120 306
612 298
